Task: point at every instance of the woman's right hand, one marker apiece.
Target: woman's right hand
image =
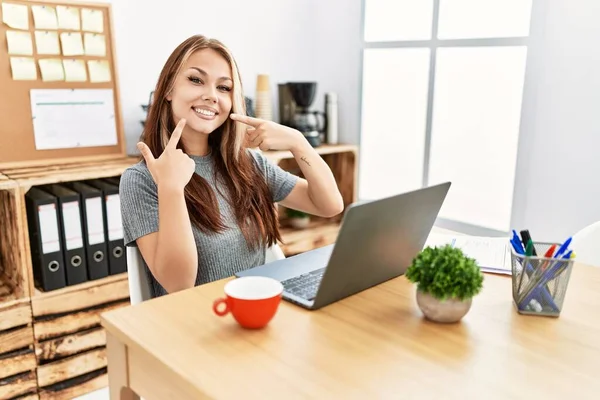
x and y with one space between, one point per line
173 169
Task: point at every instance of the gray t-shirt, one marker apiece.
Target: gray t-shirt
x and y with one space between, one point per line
219 255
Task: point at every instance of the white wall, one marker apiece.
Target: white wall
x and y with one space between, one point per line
558 185
338 59
266 37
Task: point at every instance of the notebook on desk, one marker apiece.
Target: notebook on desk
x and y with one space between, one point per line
491 253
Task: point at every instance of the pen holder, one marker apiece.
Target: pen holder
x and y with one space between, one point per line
539 284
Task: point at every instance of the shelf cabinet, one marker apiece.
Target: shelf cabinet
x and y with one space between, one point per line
51 343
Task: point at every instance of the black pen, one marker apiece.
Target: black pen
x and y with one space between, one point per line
526 237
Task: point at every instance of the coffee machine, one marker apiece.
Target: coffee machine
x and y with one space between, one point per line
295 99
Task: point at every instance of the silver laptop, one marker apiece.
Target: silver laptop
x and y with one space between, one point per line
377 241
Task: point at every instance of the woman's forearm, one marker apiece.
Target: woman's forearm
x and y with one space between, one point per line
176 255
322 187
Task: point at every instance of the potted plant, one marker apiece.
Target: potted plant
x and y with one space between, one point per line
447 280
298 219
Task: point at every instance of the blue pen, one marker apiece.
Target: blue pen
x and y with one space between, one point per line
517 243
562 248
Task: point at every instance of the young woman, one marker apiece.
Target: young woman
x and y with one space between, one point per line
200 206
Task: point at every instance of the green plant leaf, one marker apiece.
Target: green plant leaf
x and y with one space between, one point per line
446 272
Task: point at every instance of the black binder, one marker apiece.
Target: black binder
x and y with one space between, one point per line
71 230
113 226
92 216
44 240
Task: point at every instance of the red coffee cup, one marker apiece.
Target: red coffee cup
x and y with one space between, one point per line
252 300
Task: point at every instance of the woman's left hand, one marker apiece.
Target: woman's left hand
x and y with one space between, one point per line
269 135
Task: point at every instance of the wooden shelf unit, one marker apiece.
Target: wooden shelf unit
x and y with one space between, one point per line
343 161
55 345
52 341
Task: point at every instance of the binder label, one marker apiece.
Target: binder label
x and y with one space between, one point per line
72 225
113 216
49 228
95 220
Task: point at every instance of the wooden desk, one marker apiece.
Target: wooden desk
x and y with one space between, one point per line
372 345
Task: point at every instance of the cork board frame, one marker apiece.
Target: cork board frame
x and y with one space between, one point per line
17 140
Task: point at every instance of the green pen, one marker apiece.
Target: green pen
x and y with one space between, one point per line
529 248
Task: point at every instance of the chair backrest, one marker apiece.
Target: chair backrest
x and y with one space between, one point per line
139 289
274 253
586 245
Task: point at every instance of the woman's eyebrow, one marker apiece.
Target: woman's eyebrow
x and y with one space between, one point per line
202 72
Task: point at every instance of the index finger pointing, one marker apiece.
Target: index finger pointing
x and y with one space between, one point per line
176 135
255 122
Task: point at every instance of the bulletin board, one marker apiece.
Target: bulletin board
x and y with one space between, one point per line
53 133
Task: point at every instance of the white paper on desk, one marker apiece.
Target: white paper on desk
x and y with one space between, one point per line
23 68
52 69
46 42
68 18
71 118
44 17
492 254
75 70
15 15
72 44
95 44
92 20
19 43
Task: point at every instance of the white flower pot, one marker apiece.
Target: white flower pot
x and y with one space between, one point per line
300 223
447 311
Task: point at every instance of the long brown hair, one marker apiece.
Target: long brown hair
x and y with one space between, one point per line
247 190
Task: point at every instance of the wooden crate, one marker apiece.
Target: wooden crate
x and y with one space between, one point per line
59 349
70 345
17 357
343 161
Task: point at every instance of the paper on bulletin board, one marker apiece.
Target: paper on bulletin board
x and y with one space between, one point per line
74 70
72 44
95 44
15 16
52 69
19 43
73 118
92 20
46 43
23 68
68 18
44 17
99 71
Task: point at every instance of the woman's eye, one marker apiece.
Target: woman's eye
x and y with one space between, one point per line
225 88
194 79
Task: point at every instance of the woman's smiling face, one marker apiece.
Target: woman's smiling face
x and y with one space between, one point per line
202 93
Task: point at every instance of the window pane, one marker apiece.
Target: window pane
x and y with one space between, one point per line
396 20
471 19
394 107
476 115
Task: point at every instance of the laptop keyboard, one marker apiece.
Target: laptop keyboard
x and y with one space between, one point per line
306 285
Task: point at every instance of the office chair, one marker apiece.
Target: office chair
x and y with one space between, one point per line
586 245
139 289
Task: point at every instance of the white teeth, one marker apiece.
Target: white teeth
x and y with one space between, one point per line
204 112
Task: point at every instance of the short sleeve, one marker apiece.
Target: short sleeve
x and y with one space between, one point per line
139 203
279 181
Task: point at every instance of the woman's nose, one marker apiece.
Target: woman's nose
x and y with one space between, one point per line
210 95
